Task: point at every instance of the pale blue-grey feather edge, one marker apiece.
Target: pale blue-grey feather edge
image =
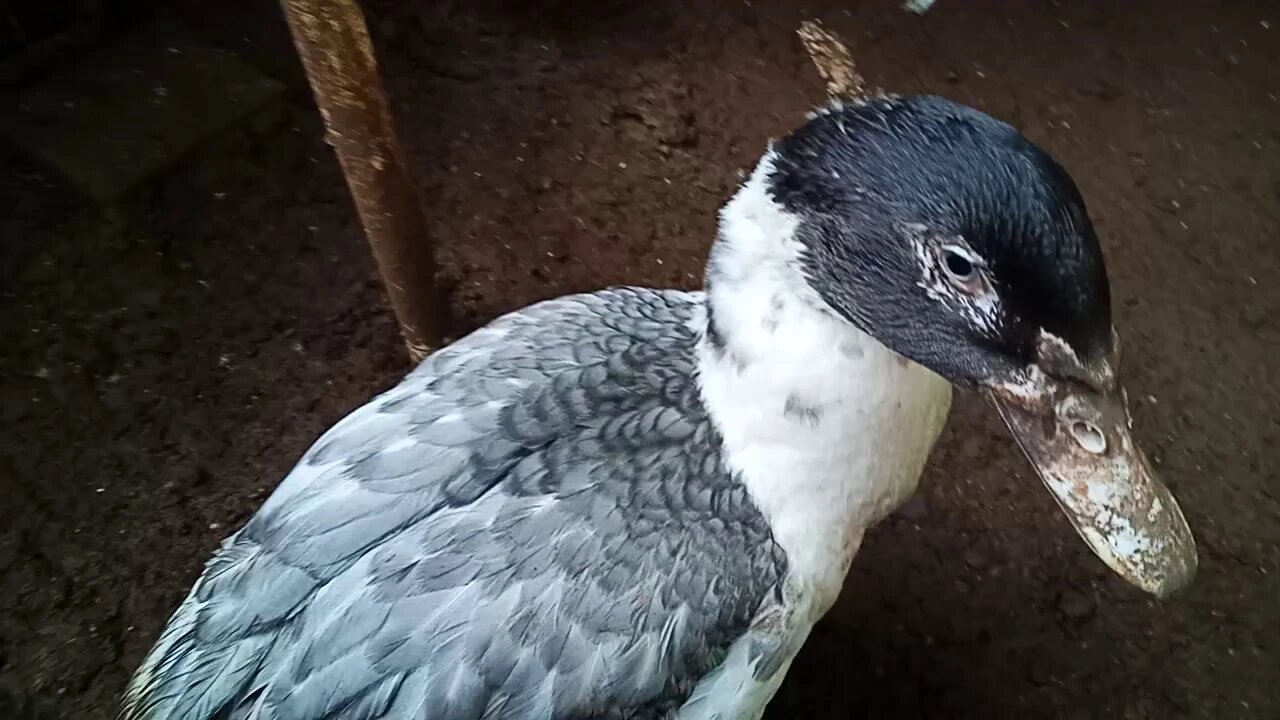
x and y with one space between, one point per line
546 375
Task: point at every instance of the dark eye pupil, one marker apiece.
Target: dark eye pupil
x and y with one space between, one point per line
958 265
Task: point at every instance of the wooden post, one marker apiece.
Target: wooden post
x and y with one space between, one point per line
337 53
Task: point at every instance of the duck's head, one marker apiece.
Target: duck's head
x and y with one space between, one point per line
957 243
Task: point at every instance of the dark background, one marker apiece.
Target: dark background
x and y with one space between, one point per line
167 356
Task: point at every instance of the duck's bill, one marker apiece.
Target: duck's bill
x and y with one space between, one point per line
1080 443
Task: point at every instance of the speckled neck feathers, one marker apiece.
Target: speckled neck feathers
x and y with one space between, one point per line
828 428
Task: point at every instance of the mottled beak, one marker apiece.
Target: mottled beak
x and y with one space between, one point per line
1072 421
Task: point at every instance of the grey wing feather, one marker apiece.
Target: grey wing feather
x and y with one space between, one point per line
535 523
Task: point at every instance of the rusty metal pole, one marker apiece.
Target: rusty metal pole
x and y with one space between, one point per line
337 53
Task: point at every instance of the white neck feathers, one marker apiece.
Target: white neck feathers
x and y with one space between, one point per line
828 428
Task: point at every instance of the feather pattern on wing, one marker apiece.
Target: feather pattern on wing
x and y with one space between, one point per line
535 523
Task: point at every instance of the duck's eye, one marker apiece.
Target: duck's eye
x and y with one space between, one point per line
960 267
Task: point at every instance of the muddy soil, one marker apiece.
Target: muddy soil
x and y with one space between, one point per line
166 361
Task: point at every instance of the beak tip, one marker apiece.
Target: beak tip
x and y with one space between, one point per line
1165 577
1184 559
1178 579
1168 575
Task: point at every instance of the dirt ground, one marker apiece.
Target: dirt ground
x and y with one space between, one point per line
167 360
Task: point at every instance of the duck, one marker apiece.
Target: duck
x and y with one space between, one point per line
636 503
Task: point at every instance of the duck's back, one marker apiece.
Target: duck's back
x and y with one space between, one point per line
536 523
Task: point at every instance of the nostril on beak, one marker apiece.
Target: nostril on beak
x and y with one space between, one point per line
1089 436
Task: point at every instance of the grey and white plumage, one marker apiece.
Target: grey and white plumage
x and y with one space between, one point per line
518 529
637 503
